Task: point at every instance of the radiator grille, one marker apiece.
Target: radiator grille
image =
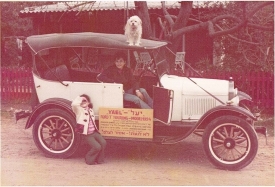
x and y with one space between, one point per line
197 106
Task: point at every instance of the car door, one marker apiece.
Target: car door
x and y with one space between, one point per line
163 104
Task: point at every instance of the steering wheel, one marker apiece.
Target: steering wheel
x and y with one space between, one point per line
149 67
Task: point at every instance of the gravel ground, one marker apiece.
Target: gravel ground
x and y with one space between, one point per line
127 163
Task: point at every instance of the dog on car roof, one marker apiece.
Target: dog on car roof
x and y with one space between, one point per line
133 30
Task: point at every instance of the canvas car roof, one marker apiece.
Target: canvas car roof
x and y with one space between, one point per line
87 39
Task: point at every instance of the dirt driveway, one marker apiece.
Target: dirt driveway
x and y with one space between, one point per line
126 163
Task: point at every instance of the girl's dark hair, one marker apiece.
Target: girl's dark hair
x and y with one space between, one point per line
120 54
88 99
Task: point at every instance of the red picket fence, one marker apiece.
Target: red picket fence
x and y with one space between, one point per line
17 83
259 85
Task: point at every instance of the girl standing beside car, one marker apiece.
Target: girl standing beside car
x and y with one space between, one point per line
85 119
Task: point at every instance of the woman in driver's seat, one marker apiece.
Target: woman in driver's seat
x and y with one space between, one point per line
119 73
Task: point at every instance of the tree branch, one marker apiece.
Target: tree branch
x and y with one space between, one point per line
264 28
167 15
246 58
238 39
80 4
211 28
251 14
163 27
239 22
185 30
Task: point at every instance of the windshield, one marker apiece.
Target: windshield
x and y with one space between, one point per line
162 59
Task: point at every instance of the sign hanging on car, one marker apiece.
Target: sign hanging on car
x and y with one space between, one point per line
127 123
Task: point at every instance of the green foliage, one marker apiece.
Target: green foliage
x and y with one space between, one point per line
12 26
230 64
11 55
248 48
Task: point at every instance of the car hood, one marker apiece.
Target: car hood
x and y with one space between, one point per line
192 86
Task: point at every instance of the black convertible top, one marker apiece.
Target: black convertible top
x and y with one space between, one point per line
87 39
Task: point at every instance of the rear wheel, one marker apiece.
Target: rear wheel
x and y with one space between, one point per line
230 142
53 133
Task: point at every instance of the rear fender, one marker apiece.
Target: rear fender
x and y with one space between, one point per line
224 110
49 103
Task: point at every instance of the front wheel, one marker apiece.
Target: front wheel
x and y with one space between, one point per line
54 135
230 142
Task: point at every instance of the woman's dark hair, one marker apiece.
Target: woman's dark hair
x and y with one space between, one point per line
119 55
88 99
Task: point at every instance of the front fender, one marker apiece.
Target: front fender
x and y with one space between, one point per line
244 96
49 103
224 110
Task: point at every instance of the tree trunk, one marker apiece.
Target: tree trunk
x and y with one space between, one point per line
184 14
181 21
143 13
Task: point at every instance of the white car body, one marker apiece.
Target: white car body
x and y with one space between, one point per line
190 101
189 104
102 94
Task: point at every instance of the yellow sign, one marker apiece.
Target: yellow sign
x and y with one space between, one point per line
124 122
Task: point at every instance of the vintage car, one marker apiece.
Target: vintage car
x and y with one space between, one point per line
67 65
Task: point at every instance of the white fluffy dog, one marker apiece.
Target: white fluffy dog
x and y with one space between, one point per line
133 30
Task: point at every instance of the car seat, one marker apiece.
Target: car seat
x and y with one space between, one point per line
59 73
